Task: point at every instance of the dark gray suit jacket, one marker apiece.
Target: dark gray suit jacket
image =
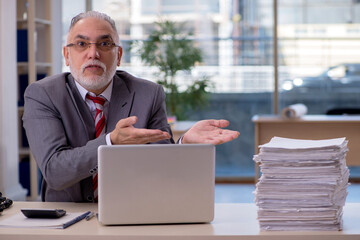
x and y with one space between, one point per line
61 131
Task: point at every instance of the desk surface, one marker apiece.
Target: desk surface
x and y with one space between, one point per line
307 118
311 127
232 221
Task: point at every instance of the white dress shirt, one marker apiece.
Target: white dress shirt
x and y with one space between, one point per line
106 94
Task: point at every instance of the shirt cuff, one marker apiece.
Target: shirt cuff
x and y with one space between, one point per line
108 140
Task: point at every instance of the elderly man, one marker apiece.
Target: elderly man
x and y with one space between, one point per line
68 116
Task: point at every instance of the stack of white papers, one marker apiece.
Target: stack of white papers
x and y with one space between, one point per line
303 184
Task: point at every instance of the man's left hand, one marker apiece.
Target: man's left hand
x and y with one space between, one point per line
210 132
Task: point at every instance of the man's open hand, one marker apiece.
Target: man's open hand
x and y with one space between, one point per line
126 133
211 132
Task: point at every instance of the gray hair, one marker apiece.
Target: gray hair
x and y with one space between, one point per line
93 14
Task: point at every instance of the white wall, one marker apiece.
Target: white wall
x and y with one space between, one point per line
9 150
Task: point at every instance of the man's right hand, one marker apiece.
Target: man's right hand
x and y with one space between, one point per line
125 133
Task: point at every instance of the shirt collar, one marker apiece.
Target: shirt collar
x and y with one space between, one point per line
106 93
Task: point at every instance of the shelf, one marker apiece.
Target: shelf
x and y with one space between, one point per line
24 151
35 18
19 20
37 64
38 21
42 21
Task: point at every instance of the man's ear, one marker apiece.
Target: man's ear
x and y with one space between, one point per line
119 53
66 55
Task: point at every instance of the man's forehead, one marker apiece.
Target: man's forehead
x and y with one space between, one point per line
100 37
91 27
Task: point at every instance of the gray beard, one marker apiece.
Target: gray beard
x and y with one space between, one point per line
94 83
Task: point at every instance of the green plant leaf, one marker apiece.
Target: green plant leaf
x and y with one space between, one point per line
171 51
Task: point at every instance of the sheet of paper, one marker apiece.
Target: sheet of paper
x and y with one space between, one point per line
20 221
288 143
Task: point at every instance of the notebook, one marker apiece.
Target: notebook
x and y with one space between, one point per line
156 184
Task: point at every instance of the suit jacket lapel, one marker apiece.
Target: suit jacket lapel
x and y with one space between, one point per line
81 108
120 103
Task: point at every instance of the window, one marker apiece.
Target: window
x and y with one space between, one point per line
318 49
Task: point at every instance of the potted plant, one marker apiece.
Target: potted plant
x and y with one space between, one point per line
170 50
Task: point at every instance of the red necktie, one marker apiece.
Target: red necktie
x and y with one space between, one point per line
99 129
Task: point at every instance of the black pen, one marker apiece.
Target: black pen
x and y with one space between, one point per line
75 220
90 216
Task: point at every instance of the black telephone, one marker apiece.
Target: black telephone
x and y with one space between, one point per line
4 202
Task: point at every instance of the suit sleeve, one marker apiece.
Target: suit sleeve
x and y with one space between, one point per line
61 164
158 118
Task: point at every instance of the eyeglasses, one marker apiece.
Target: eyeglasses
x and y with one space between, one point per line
82 45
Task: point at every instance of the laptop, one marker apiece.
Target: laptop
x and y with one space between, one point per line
156 184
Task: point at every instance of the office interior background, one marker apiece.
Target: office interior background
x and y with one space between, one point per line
236 38
315 39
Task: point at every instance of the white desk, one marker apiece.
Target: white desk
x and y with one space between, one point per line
232 221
